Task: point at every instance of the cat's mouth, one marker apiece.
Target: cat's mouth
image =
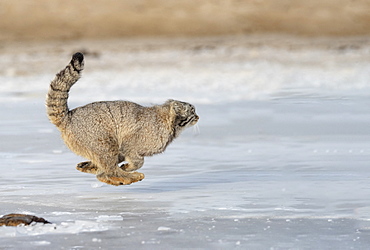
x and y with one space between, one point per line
195 120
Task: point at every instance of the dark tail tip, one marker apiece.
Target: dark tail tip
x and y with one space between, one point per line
78 56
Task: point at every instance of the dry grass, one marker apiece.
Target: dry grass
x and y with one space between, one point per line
68 19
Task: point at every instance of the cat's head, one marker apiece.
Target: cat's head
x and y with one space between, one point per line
185 113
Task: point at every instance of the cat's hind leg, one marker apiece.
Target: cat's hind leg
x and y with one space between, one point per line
87 167
110 173
120 177
91 168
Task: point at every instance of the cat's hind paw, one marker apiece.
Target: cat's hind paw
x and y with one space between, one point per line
87 167
120 179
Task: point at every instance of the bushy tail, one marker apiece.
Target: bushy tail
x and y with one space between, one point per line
57 97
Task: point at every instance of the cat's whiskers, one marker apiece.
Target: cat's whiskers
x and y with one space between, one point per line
196 130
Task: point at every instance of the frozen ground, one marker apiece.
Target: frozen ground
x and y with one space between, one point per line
281 160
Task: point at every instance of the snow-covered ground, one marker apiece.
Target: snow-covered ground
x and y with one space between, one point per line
281 160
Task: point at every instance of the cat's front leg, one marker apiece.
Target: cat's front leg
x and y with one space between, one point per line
133 163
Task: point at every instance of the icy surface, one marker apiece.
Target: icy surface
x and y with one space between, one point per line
281 160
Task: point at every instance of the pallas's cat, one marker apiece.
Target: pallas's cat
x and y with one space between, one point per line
111 132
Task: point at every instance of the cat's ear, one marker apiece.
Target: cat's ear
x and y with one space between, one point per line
170 101
175 105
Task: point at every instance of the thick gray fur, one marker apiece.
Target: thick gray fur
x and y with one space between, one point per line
110 132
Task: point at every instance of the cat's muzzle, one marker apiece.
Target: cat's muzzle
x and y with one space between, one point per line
196 119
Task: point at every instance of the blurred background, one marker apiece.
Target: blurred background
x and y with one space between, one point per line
282 88
68 19
198 50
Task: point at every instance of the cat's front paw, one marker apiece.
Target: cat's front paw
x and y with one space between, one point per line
128 167
120 179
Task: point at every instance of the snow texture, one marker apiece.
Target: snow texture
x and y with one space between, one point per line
280 160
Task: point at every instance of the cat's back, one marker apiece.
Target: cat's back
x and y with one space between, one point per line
110 110
106 114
